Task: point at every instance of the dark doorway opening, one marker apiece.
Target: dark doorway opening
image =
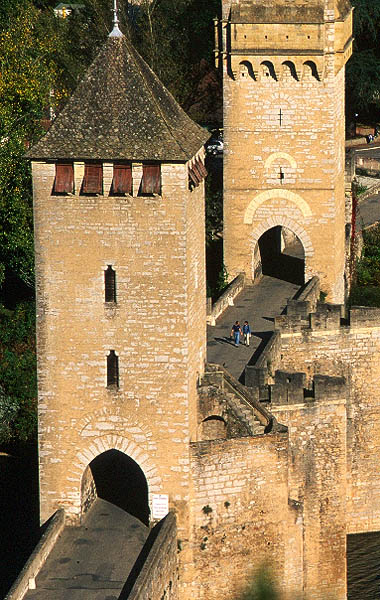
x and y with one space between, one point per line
282 255
119 479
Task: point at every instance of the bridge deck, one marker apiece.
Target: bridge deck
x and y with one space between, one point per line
92 561
258 304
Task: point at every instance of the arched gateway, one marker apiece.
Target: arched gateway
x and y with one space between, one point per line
117 478
279 253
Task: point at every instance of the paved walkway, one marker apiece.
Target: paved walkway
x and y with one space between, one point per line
258 304
369 211
93 561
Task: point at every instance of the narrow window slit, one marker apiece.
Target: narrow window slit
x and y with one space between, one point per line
110 284
112 369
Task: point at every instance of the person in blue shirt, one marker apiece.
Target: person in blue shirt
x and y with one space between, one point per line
246 333
236 332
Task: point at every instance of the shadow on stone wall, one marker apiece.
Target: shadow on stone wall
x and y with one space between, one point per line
285 265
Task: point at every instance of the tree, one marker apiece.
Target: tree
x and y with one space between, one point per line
18 384
27 76
363 68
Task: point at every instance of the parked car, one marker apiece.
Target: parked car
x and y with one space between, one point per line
214 146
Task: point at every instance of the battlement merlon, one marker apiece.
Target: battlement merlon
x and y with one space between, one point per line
292 387
278 31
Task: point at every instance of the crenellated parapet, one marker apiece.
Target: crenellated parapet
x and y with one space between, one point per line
308 321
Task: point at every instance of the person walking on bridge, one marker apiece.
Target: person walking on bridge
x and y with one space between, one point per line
246 333
236 332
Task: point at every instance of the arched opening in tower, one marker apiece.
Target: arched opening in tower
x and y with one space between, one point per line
280 254
117 478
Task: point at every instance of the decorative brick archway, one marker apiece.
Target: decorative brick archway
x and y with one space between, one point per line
132 438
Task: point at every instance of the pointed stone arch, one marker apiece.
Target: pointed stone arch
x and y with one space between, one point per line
104 443
262 197
310 70
295 227
103 430
289 70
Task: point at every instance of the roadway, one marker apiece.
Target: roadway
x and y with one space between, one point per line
93 561
258 304
369 210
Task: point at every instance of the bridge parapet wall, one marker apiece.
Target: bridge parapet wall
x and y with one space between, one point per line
227 298
34 564
158 575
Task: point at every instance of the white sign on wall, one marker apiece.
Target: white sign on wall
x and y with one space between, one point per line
160 505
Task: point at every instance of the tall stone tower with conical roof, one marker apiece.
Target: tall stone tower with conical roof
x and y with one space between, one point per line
283 67
120 267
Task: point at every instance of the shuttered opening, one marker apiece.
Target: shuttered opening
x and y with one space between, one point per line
151 180
112 369
122 179
93 178
201 167
110 284
197 172
64 178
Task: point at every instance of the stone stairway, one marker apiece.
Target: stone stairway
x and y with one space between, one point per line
242 406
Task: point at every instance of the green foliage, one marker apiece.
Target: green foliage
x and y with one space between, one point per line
27 75
363 69
366 289
173 36
222 281
214 208
18 384
263 587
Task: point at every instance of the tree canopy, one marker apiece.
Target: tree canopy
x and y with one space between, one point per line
363 68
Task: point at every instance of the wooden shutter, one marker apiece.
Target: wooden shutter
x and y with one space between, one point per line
93 179
64 178
110 284
197 172
112 369
122 179
193 177
151 179
201 168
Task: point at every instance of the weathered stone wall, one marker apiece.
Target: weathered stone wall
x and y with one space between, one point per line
158 578
156 327
317 486
278 499
354 353
241 515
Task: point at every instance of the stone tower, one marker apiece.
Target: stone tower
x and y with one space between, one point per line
119 230
283 69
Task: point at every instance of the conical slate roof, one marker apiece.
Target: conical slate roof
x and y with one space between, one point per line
121 110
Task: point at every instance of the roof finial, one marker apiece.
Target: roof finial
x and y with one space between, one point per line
115 31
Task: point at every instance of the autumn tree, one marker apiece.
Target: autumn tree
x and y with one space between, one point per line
27 76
